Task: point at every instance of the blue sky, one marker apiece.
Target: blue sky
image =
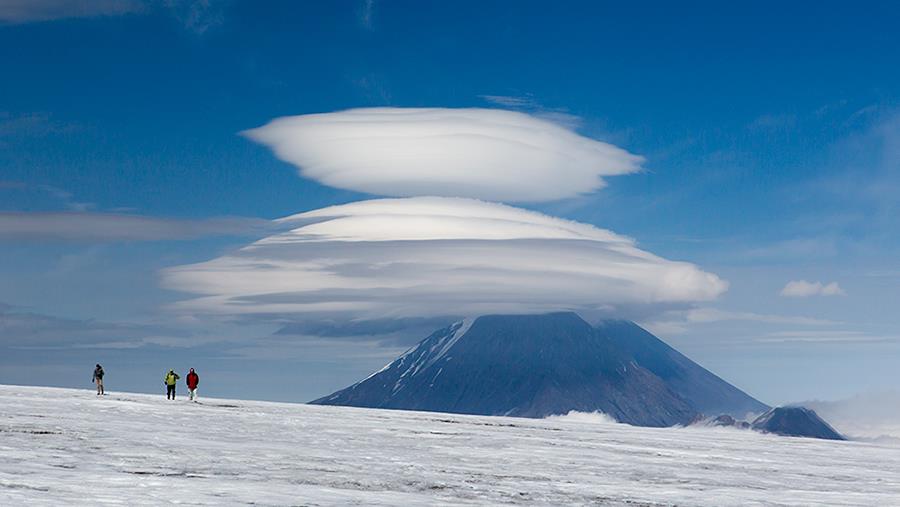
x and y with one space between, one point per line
770 136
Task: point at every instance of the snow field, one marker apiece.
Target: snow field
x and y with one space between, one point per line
65 446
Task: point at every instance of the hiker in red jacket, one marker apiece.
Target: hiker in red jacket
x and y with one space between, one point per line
192 381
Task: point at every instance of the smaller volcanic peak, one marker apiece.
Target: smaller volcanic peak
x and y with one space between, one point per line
795 422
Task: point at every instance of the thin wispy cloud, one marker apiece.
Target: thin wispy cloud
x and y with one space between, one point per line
528 104
478 153
885 273
21 328
769 123
803 289
705 315
796 248
375 87
196 16
366 14
312 348
99 227
435 256
511 101
861 183
30 11
58 197
24 328
819 336
561 118
675 322
36 124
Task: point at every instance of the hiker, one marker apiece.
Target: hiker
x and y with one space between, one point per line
98 379
170 381
193 380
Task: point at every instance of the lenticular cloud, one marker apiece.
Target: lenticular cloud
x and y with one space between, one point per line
433 256
478 153
443 255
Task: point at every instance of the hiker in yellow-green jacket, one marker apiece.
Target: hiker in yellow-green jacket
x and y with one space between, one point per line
170 380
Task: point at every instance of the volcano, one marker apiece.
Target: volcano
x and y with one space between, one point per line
541 365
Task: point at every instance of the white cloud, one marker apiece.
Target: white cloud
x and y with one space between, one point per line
802 289
479 153
433 256
27 11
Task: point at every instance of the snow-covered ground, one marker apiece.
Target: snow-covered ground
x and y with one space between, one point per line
63 446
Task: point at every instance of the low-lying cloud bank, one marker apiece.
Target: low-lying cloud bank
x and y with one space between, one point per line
433 256
479 153
872 416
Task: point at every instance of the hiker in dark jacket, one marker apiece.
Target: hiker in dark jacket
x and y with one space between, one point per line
193 380
98 379
170 381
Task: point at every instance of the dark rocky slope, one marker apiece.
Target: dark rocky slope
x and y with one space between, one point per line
707 393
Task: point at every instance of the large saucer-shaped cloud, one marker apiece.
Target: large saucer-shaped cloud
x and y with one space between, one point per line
434 256
480 153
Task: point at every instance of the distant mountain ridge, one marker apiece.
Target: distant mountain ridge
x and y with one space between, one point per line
540 365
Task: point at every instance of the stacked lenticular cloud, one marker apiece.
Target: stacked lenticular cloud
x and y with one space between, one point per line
439 251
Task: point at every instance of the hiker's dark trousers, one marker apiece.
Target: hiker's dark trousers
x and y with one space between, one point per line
170 392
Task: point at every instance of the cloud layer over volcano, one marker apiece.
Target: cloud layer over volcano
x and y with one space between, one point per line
430 256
